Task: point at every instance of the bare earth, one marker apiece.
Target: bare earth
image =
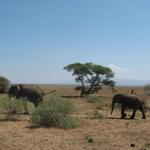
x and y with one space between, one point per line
107 133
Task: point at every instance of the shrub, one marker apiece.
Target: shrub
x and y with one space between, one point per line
147 89
69 122
4 84
95 115
11 108
55 113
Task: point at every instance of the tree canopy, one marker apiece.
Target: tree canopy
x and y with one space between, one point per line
91 76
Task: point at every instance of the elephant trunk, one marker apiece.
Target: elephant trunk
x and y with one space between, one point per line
112 107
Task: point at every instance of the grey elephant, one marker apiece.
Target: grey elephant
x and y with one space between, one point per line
128 101
33 95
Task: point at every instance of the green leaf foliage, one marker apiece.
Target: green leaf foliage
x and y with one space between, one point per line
55 113
91 76
4 84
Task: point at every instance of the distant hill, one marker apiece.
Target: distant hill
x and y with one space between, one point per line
120 82
130 82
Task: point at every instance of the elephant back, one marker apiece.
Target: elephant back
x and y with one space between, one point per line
131 101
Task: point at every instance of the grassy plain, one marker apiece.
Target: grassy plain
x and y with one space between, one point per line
98 129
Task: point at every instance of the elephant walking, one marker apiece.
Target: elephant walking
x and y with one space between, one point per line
128 101
33 95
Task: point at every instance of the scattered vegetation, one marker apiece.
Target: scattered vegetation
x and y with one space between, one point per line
55 112
95 115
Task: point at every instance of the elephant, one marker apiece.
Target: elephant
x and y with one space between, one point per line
128 101
32 95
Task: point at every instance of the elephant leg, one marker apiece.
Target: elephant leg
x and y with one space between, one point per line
133 114
36 104
123 115
143 114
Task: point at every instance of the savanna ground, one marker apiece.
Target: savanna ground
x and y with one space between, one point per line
98 130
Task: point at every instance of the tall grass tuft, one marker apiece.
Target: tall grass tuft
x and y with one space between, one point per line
11 108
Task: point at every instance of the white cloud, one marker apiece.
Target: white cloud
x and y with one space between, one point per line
117 69
131 74
121 72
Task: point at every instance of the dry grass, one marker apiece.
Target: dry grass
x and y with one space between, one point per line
106 133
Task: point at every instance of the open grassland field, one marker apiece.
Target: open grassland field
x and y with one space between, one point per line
98 130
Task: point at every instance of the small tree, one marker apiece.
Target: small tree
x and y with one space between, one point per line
4 84
147 89
92 77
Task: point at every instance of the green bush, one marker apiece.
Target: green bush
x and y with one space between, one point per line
4 84
55 112
147 87
69 122
11 108
95 115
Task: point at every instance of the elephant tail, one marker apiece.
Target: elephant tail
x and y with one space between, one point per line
43 93
49 92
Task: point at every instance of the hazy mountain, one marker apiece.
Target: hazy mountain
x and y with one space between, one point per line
120 82
130 82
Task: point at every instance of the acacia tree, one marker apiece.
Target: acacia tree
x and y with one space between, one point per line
92 77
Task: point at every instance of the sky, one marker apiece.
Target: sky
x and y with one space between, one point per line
39 37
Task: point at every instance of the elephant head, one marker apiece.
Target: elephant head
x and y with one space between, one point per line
116 99
14 91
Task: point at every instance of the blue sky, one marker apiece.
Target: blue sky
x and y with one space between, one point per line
39 37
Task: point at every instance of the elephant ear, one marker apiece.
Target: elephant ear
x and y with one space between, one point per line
17 88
